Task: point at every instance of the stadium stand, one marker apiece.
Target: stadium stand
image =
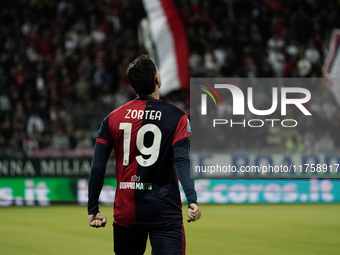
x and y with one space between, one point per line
62 65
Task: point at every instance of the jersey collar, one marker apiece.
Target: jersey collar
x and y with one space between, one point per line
147 98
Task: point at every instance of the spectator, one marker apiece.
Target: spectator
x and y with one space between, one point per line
325 144
275 43
84 39
40 83
60 140
121 97
98 36
31 53
292 49
114 18
195 62
82 89
209 62
312 54
83 141
71 42
304 66
220 55
34 124
5 104
276 60
45 141
19 117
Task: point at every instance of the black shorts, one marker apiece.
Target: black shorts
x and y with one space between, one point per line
132 240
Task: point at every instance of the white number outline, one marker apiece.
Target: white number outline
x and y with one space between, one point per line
153 150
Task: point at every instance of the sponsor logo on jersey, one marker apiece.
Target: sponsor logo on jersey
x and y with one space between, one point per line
135 185
135 178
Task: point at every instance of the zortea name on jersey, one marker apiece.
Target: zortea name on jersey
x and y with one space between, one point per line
139 114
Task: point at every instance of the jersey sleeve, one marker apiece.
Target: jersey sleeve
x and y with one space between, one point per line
102 151
183 129
104 136
98 168
181 145
182 168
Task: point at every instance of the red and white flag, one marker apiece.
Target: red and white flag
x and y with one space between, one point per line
171 46
331 67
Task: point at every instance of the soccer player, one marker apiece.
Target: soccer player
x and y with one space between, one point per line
150 139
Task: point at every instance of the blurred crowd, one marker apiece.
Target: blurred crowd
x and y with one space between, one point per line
269 39
63 62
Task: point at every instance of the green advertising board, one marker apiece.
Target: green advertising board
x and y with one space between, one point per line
22 191
42 191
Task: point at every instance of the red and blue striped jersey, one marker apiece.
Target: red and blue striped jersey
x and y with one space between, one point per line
149 138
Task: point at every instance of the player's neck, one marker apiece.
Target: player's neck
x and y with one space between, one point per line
154 95
150 96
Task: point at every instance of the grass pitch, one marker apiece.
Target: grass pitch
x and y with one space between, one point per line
224 229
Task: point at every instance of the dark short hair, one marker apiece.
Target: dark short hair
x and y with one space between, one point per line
141 74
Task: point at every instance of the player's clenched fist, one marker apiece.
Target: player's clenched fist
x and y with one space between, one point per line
97 220
194 213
